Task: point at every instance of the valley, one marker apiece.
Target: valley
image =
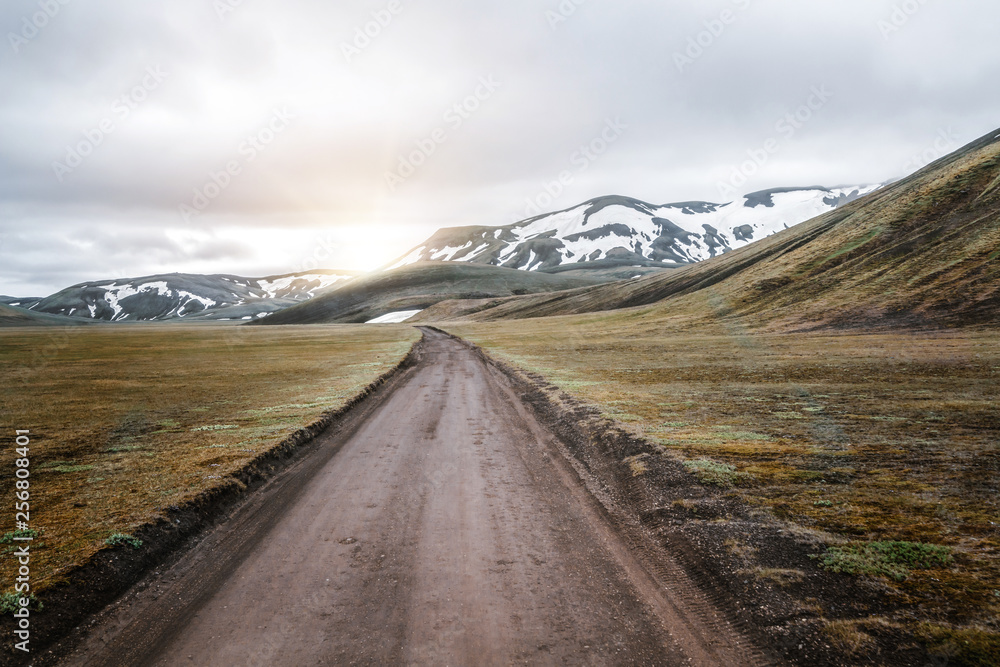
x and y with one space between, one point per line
442 525
510 333
786 449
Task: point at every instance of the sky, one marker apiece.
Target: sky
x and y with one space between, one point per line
259 137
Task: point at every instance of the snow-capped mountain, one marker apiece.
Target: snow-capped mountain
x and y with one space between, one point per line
626 230
187 296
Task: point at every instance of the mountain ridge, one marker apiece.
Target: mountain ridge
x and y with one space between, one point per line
178 296
921 252
621 229
418 286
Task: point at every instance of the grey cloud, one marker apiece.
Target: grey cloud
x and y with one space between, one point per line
893 95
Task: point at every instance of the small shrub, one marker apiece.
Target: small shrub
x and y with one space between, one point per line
737 548
823 503
715 473
780 576
855 636
120 539
886 559
847 636
962 646
10 602
8 538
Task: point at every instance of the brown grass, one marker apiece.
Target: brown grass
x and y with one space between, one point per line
860 436
127 421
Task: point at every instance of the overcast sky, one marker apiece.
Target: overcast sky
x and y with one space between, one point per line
260 137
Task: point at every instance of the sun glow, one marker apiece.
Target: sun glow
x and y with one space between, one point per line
358 247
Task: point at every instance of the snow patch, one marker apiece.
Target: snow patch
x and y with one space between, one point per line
446 253
298 286
412 258
472 255
531 260
188 297
115 293
395 318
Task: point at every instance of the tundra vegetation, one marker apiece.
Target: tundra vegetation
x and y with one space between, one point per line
886 446
127 421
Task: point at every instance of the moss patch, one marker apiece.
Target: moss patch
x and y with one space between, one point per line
887 559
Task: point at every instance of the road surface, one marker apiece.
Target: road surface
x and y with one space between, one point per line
445 527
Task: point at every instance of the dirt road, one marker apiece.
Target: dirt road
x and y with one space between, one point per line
445 527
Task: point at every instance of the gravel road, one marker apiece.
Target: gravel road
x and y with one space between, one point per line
443 526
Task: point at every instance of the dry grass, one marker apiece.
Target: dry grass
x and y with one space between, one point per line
780 576
126 421
637 465
850 636
867 437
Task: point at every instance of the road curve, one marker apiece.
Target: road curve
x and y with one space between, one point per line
445 528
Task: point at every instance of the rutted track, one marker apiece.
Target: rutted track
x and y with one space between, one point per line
444 525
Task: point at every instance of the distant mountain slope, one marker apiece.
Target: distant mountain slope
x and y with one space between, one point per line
924 251
630 231
187 296
20 302
419 286
11 316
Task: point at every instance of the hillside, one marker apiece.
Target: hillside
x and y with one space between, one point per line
624 231
866 435
419 286
921 252
11 316
20 302
179 296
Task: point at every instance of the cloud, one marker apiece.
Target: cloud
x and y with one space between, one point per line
354 118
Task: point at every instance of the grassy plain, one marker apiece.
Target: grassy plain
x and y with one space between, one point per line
872 439
127 421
